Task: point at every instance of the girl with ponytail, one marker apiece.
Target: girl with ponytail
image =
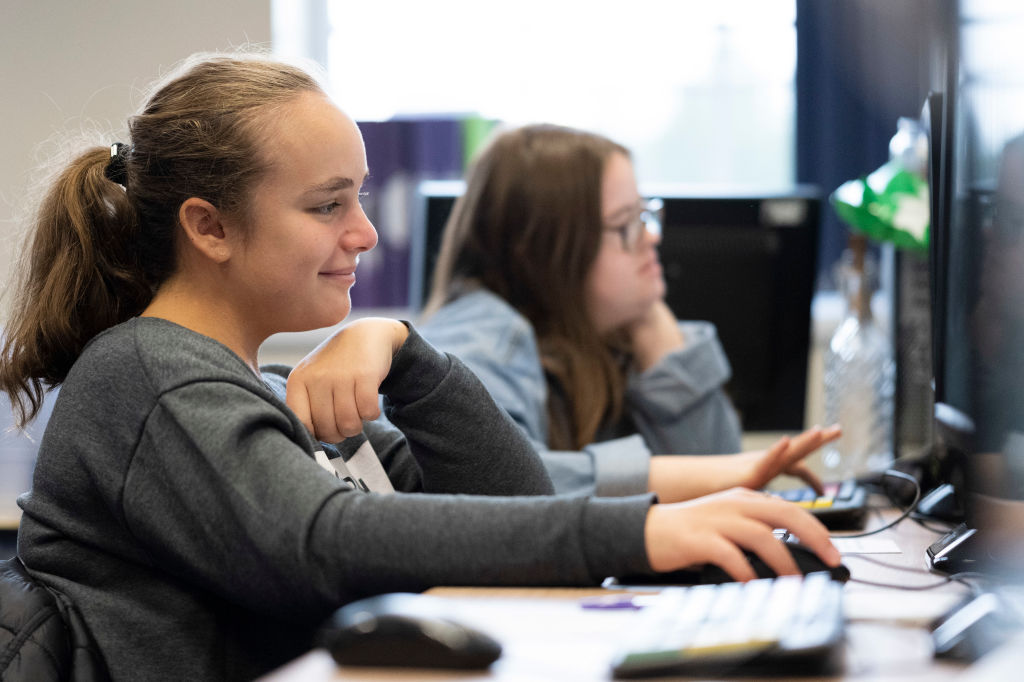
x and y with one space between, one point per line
204 514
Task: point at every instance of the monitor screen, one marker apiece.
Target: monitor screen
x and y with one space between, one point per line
979 266
745 262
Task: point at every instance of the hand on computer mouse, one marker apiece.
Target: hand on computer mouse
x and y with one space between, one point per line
718 529
806 561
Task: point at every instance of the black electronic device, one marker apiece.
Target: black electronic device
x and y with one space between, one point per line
745 261
942 503
955 552
790 625
973 627
806 560
405 630
843 506
977 181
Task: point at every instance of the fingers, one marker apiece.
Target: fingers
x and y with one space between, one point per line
333 408
334 389
769 464
805 526
350 404
810 440
728 555
750 536
805 443
777 513
331 420
363 405
831 433
718 528
297 399
804 473
773 552
802 446
347 420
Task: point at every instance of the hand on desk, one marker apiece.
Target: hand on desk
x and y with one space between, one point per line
717 528
683 477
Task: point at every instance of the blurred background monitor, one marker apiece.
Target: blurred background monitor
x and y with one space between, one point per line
977 266
746 262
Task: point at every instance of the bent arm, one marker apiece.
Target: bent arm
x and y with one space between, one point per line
462 441
679 405
499 347
245 512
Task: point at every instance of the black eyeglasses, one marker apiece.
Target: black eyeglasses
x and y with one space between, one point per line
647 218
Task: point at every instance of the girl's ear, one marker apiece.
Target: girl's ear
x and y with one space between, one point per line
204 229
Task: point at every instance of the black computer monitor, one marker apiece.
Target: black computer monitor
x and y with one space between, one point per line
978 307
434 207
950 282
747 263
744 261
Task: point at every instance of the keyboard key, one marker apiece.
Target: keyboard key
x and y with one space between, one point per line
727 626
843 505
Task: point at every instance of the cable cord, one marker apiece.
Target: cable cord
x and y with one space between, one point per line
925 521
904 514
961 578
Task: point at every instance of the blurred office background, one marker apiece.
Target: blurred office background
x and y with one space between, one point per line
729 95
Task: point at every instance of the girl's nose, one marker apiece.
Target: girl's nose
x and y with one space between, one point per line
361 235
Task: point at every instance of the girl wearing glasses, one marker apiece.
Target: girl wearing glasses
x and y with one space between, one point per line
548 286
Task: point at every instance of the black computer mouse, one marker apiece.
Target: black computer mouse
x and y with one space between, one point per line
405 630
806 560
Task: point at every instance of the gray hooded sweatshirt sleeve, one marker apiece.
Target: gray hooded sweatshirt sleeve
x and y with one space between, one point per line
177 505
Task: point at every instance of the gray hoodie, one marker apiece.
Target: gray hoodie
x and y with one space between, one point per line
177 503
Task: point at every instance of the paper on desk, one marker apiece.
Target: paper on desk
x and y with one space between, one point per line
866 546
917 609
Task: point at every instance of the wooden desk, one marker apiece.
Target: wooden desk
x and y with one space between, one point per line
547 636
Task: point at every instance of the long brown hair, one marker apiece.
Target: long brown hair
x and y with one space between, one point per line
98 249
529 228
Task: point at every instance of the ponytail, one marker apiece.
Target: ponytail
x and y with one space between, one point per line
104 237
79 276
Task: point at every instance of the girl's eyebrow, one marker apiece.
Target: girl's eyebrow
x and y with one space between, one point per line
332 185
623 211
335 184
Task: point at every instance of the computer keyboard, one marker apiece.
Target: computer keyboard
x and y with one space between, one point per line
793 622
843 505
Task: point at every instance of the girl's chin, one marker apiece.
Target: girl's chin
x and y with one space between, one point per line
326 318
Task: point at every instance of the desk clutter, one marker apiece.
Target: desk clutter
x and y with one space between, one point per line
895 613
789 622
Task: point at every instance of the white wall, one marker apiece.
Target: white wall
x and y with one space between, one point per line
65 64
69 64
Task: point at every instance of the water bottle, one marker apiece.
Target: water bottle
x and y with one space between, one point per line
859 376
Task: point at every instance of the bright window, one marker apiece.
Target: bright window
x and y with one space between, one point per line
702 92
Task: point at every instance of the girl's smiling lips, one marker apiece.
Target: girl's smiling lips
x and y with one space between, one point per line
348 273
